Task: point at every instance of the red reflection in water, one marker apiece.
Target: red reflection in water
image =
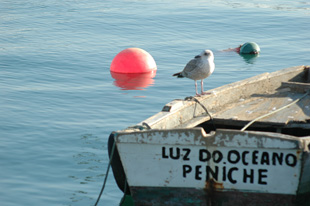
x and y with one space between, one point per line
133 81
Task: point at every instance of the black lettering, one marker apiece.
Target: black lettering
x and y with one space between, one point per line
265 158
213 173
163 152
198 172
224 173
250 176
254 157
233 160
277 158
204 155
217 154
261 176
174 156
229 175
293 161
244 157
186 169
187 151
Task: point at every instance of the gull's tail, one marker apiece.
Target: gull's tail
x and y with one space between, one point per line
179 75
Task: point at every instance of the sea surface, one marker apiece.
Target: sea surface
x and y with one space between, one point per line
59 102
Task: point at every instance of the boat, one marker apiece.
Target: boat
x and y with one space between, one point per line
247 143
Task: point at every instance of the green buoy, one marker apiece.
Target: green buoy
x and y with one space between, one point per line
249 48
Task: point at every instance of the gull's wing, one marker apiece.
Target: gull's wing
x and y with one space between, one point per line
190 66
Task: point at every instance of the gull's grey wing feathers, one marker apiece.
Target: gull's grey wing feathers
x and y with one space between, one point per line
190 66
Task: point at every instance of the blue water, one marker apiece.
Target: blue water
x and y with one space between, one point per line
59 103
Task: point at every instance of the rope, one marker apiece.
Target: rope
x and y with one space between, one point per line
196 100
144 126
275 111
107 173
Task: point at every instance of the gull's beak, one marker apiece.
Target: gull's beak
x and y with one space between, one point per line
198 56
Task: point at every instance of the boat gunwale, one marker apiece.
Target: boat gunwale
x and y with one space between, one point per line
186 110
197 136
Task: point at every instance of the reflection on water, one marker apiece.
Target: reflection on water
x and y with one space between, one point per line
133 81
87 159
249 58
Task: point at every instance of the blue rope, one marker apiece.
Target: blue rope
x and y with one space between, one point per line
107 173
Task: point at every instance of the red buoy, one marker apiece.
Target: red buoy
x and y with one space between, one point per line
133 60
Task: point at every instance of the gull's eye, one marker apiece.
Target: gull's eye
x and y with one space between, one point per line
206 53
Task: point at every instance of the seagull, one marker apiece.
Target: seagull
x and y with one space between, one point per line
199 68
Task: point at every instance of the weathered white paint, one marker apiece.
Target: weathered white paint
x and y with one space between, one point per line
146 164
178 137
197 136
267 141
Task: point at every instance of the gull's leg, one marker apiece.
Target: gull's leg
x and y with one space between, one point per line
202 92
198 95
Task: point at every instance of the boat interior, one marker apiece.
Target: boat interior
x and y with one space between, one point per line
294 119
277 102
212 125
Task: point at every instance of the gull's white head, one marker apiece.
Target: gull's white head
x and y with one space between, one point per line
206 54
